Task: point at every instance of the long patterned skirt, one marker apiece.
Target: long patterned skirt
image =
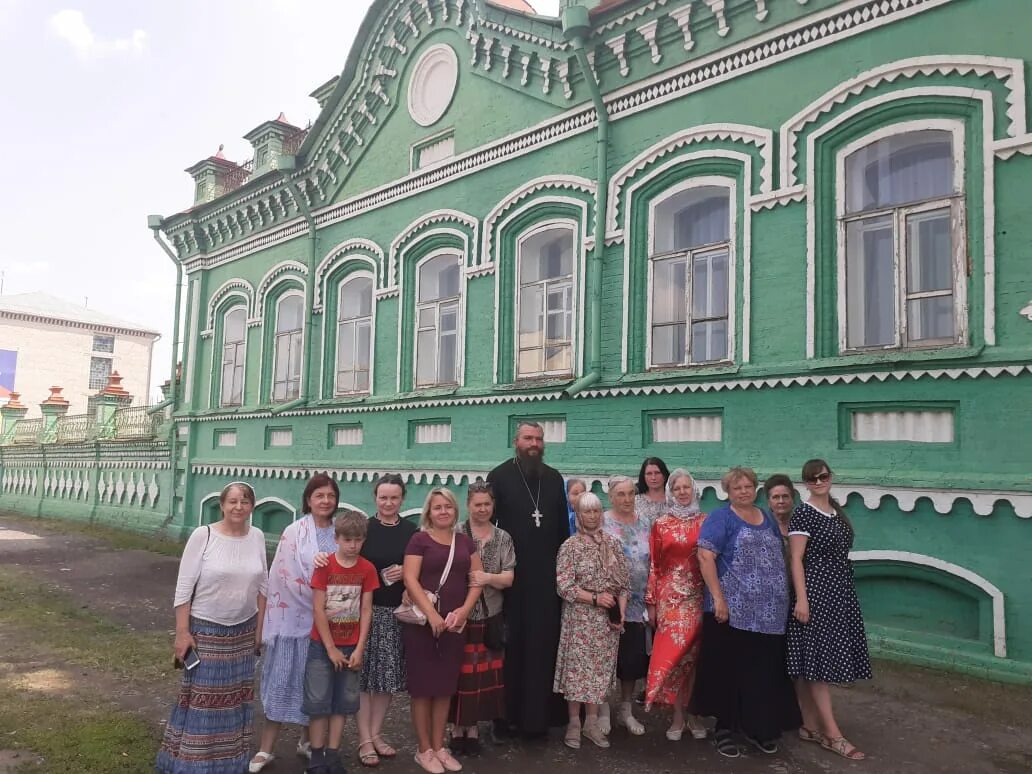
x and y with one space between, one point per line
209 731
283 677
481 694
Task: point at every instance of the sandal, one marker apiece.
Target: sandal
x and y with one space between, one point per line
842 746
383 749
260 761
725 743
809 735
674 733
368 759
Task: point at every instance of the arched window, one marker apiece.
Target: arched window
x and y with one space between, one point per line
690 264
354 341
901 231
234 344
286 373
438 337
545 302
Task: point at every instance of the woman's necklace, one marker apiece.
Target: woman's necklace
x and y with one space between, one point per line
395 523
536 515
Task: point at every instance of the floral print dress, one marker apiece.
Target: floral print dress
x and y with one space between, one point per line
675 588
585 665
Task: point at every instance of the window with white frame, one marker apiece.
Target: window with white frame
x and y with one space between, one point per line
902 245
545 303
690 267
234 335
354 335
286 375
438 339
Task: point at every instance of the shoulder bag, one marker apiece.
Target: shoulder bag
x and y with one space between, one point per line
408 612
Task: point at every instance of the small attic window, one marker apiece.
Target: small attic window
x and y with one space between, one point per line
433 150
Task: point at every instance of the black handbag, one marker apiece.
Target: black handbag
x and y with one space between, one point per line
494 632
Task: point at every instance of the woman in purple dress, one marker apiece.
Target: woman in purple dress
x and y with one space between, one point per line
434 650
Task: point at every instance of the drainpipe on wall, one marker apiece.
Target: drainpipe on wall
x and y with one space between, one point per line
287 164
154 223
576 29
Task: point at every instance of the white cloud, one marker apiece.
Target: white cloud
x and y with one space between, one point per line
70 25
24 268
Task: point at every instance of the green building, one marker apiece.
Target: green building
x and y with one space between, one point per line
716 231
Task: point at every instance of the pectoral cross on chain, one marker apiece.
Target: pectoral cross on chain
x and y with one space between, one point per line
536 516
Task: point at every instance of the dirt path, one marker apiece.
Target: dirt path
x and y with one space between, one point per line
907 720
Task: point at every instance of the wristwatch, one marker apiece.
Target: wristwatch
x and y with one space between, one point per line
594 598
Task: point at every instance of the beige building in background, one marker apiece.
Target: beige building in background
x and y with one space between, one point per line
46 341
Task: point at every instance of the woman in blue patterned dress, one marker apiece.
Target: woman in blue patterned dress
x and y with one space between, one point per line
288 617
826 638
741 675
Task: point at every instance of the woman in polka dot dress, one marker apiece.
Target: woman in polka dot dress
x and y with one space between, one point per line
826 639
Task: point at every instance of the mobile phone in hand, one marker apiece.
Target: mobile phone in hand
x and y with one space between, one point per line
190 660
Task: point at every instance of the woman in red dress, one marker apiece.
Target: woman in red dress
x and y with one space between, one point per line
674 603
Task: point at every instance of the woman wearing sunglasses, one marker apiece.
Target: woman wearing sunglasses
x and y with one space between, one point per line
826 639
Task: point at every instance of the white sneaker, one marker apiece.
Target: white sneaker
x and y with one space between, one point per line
605 723
304 749
626 719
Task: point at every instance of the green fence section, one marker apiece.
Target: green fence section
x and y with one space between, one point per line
122 484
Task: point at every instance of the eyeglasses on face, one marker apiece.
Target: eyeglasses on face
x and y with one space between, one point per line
820 478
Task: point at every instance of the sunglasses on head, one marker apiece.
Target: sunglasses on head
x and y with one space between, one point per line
820 478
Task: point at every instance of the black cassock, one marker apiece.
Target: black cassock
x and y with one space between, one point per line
532 606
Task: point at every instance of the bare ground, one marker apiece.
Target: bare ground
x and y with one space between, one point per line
906 719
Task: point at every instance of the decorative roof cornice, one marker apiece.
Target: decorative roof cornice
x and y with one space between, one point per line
230 229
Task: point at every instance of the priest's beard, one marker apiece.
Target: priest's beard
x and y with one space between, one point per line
530 463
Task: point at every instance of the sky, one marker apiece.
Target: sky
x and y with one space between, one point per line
106 102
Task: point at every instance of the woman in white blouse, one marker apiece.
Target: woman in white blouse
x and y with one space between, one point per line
219 605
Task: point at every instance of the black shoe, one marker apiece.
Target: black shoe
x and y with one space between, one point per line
769 747
471 746
503 730
459 745
318 768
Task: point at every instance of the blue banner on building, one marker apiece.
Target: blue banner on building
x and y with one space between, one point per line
8 366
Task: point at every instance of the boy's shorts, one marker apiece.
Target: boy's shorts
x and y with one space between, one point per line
328 691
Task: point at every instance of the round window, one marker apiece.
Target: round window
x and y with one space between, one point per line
433 83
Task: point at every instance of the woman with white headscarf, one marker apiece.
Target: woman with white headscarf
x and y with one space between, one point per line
673 599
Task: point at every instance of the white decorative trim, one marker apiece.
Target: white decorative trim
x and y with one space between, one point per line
1026 312
778 198
813 32
619 21
1010 73
763 139
274 277
348 250
988 197
994 593
1005 149
233 287
487 255
417 230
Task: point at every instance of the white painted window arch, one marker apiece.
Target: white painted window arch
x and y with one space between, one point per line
439 319
691 273
545 319
902 244
355 334
288 342
233 356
